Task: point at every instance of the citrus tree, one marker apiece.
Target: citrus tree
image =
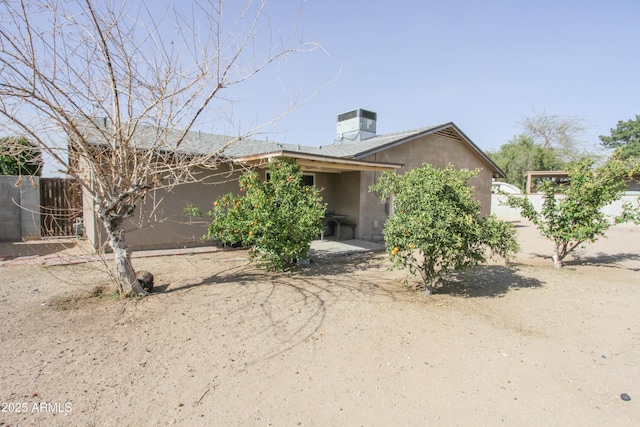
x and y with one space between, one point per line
436 227
276 218
577 217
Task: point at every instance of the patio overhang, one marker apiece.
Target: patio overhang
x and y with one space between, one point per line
315 163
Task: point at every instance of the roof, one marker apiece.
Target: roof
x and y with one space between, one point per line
246 148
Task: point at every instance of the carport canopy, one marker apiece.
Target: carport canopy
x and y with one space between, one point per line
531 175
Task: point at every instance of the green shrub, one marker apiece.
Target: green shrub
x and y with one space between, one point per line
435 227
276 218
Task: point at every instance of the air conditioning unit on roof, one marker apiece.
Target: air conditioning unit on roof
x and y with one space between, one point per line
356 125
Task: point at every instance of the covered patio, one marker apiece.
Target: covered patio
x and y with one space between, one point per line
322 249
339 181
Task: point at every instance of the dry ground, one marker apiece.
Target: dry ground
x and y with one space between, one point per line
340 342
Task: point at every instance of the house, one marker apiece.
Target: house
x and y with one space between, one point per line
343 170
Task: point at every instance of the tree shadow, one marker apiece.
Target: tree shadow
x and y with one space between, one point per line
32 248
240 275
485 281
273 313
320 267
602 258
575 259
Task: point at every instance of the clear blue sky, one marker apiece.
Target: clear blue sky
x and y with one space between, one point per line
484 65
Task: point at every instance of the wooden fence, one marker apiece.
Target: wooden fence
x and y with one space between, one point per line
60 206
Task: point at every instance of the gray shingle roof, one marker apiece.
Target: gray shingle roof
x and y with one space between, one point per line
206 143
200 143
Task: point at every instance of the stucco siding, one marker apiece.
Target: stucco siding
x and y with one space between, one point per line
93 228
160 220
440 151
346 190
373 211
325 183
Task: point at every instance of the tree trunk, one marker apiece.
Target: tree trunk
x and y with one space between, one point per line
558 256
429 278
428 289
127 283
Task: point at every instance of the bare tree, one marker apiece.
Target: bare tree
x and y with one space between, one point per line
553 132
112 90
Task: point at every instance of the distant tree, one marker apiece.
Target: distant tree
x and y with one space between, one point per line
276 218
436 226
625 138
18 156
577 217
523 154
557 133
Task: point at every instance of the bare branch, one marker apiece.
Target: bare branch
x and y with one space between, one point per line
113 92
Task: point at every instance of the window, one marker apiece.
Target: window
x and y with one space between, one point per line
308 179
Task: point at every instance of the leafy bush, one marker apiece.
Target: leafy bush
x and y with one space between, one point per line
276 218
436 226
19 156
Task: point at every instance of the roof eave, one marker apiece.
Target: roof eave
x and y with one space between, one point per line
319 163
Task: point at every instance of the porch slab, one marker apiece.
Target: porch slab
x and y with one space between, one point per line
333 248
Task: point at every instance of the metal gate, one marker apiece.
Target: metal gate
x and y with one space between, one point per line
60 206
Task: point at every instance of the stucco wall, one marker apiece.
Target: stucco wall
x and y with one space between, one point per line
19 208
93 229
440 151
434 149
325 183
345 194
160 220
373 211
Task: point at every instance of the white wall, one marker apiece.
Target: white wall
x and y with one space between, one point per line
536 199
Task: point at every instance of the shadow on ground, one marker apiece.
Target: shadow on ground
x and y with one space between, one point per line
612 260
280 311
485 281
10 250
319 268
604 259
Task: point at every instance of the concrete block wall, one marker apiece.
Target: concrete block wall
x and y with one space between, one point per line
19 208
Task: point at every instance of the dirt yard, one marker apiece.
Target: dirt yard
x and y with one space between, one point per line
339 342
